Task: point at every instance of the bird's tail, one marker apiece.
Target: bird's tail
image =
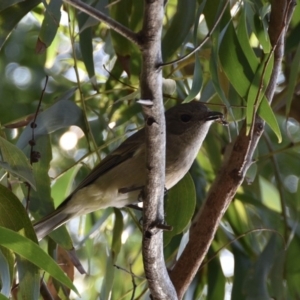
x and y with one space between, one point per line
50 222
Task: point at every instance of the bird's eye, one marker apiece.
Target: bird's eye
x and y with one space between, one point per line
185 118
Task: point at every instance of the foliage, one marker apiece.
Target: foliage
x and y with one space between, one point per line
91 96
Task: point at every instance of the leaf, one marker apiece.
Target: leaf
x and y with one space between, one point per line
117 235
33 253
121 12
181 24
11 16
62 114
234 62
4 275
216 281
7 3
41 202
256 285
243 37
86 44
107 283
50 25
2 297
197 81
257 89
14 216
266 113
295 67
180 206
16 162
242 264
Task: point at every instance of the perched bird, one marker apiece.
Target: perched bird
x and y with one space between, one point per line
119 178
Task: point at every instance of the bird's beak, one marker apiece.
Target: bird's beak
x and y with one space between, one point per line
216 116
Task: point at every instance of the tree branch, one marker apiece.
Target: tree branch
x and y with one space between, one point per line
233 171
116 26
159 282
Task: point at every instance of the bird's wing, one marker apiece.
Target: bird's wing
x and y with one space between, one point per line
125 151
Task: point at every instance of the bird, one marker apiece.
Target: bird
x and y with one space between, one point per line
119 178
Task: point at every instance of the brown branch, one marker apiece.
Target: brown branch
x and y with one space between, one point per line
233 171
98 15
159 282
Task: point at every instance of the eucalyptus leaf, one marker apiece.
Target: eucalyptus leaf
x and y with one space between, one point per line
33 253
179 206
16 162
62 114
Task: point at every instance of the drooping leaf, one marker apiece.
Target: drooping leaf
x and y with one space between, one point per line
179 206
49 26
11 16
234 62
5 277
16 162
216 280
41 202
86 44
292 80
62 114
257 89
13 216
197 81
181 24
256 285
117 234
33 253
266 113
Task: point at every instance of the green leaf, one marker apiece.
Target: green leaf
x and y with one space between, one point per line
117 234
243 37
5 277
16 162
86 44
261 31
242 263
7 3
181 24
180 206
2 297
295 67
197 80
266 113
107 283
10 17
121 12
256 285
14 216
257 89
234 62
41 202
62 114
49 26
33 253
216 281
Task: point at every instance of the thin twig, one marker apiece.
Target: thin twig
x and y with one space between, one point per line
116 26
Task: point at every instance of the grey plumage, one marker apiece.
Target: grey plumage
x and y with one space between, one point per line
119 178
